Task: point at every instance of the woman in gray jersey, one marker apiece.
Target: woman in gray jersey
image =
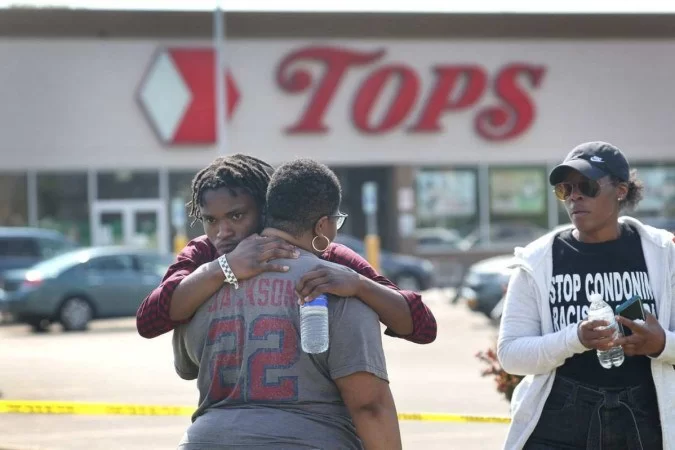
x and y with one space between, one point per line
257 389
567 400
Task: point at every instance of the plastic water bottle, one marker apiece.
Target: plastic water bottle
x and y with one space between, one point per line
600 310
314 325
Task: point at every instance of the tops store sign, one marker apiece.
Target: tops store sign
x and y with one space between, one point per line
177 94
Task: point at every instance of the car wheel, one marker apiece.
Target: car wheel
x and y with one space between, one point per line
75 314
408 282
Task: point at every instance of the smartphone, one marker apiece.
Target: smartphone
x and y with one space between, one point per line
630 309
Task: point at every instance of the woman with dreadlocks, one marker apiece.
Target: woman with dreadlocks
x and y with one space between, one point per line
228 197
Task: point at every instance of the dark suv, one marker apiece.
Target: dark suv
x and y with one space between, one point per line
408 272
21 248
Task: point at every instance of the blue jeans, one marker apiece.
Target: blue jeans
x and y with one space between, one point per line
576 416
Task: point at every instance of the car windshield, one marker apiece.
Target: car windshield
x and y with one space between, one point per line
55 247
155 263
61 262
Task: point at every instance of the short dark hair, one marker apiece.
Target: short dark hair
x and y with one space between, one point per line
299 194
233 172
635 190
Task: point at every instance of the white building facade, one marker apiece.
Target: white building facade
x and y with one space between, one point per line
104 125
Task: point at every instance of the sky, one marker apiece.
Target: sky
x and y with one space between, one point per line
426 6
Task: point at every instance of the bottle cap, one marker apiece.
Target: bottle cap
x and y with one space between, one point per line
595 297
321 300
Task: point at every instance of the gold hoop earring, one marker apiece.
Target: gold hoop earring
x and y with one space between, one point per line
314 244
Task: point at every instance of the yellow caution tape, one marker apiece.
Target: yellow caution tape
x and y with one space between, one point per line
90 409
441 417
120 409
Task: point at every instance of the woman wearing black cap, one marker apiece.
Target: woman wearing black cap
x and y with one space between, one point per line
567 399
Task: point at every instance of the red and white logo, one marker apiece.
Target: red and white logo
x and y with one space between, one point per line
177 95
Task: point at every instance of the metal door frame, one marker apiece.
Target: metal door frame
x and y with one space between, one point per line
127 208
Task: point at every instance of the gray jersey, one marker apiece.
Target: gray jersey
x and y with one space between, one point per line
257 388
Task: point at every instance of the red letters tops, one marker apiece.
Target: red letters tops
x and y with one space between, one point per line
456 87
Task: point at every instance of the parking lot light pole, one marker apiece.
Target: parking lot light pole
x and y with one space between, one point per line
219 79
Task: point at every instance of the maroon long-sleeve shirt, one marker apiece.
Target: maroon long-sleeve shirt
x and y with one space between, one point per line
152 317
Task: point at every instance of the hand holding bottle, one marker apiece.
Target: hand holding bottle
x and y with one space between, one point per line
596 334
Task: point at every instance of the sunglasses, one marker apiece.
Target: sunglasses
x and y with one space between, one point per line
340 219
587 188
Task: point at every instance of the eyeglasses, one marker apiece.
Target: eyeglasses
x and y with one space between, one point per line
340 219
587 188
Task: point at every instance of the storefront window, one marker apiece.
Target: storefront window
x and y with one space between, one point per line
63 204
180 193
447 207
352 180
127 184
657 207
13 199
518 212
659 191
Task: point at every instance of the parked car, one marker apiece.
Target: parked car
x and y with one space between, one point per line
23 247
484 284
496 313
408 272
666 223
437 239
75 287
504 236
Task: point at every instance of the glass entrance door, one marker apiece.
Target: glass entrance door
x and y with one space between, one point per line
133 223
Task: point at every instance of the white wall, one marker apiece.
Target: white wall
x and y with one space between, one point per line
73 104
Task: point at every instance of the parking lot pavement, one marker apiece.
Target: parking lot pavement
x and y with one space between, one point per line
111 363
